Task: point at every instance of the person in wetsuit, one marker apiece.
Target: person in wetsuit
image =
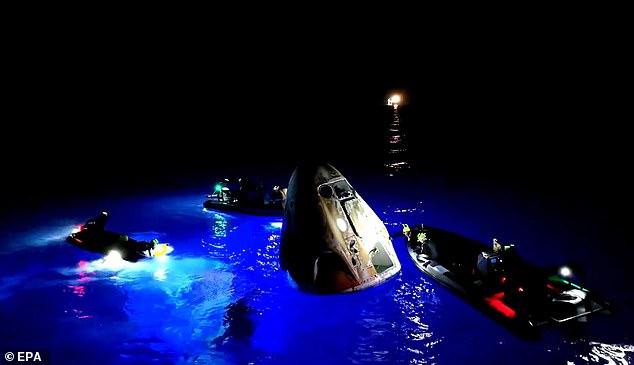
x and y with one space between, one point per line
279 195
144 246
419 241
249 194
239 323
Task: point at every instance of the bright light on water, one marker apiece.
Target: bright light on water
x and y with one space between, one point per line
160 274
113 260
276 225
220 295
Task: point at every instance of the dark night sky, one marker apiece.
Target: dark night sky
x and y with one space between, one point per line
106 119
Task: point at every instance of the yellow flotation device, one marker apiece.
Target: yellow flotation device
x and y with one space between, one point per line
160 251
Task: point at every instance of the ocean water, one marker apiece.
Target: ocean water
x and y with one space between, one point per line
221 298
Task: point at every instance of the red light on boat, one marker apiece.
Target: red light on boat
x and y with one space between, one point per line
496 303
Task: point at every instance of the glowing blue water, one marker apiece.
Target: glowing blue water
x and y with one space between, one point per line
57 297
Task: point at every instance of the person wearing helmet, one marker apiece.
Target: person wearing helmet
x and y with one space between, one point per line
414 236
279 196
417 239
151 246
97 223
250 194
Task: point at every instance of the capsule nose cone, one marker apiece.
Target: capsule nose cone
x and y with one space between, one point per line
332 241
310 175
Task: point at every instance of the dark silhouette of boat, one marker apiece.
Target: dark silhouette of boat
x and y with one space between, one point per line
92 236
521 296
242 196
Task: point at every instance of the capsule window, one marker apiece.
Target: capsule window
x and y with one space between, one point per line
325 191
343 189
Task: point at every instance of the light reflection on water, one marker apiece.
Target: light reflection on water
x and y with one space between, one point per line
172 311
419 303
603 353
176 305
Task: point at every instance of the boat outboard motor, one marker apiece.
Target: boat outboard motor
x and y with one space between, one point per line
490 265
570 296
570 304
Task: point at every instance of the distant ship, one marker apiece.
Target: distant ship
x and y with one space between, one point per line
332 241
396 155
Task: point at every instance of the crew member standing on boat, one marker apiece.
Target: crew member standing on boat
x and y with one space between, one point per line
417 238
250 194
497 247
281 193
